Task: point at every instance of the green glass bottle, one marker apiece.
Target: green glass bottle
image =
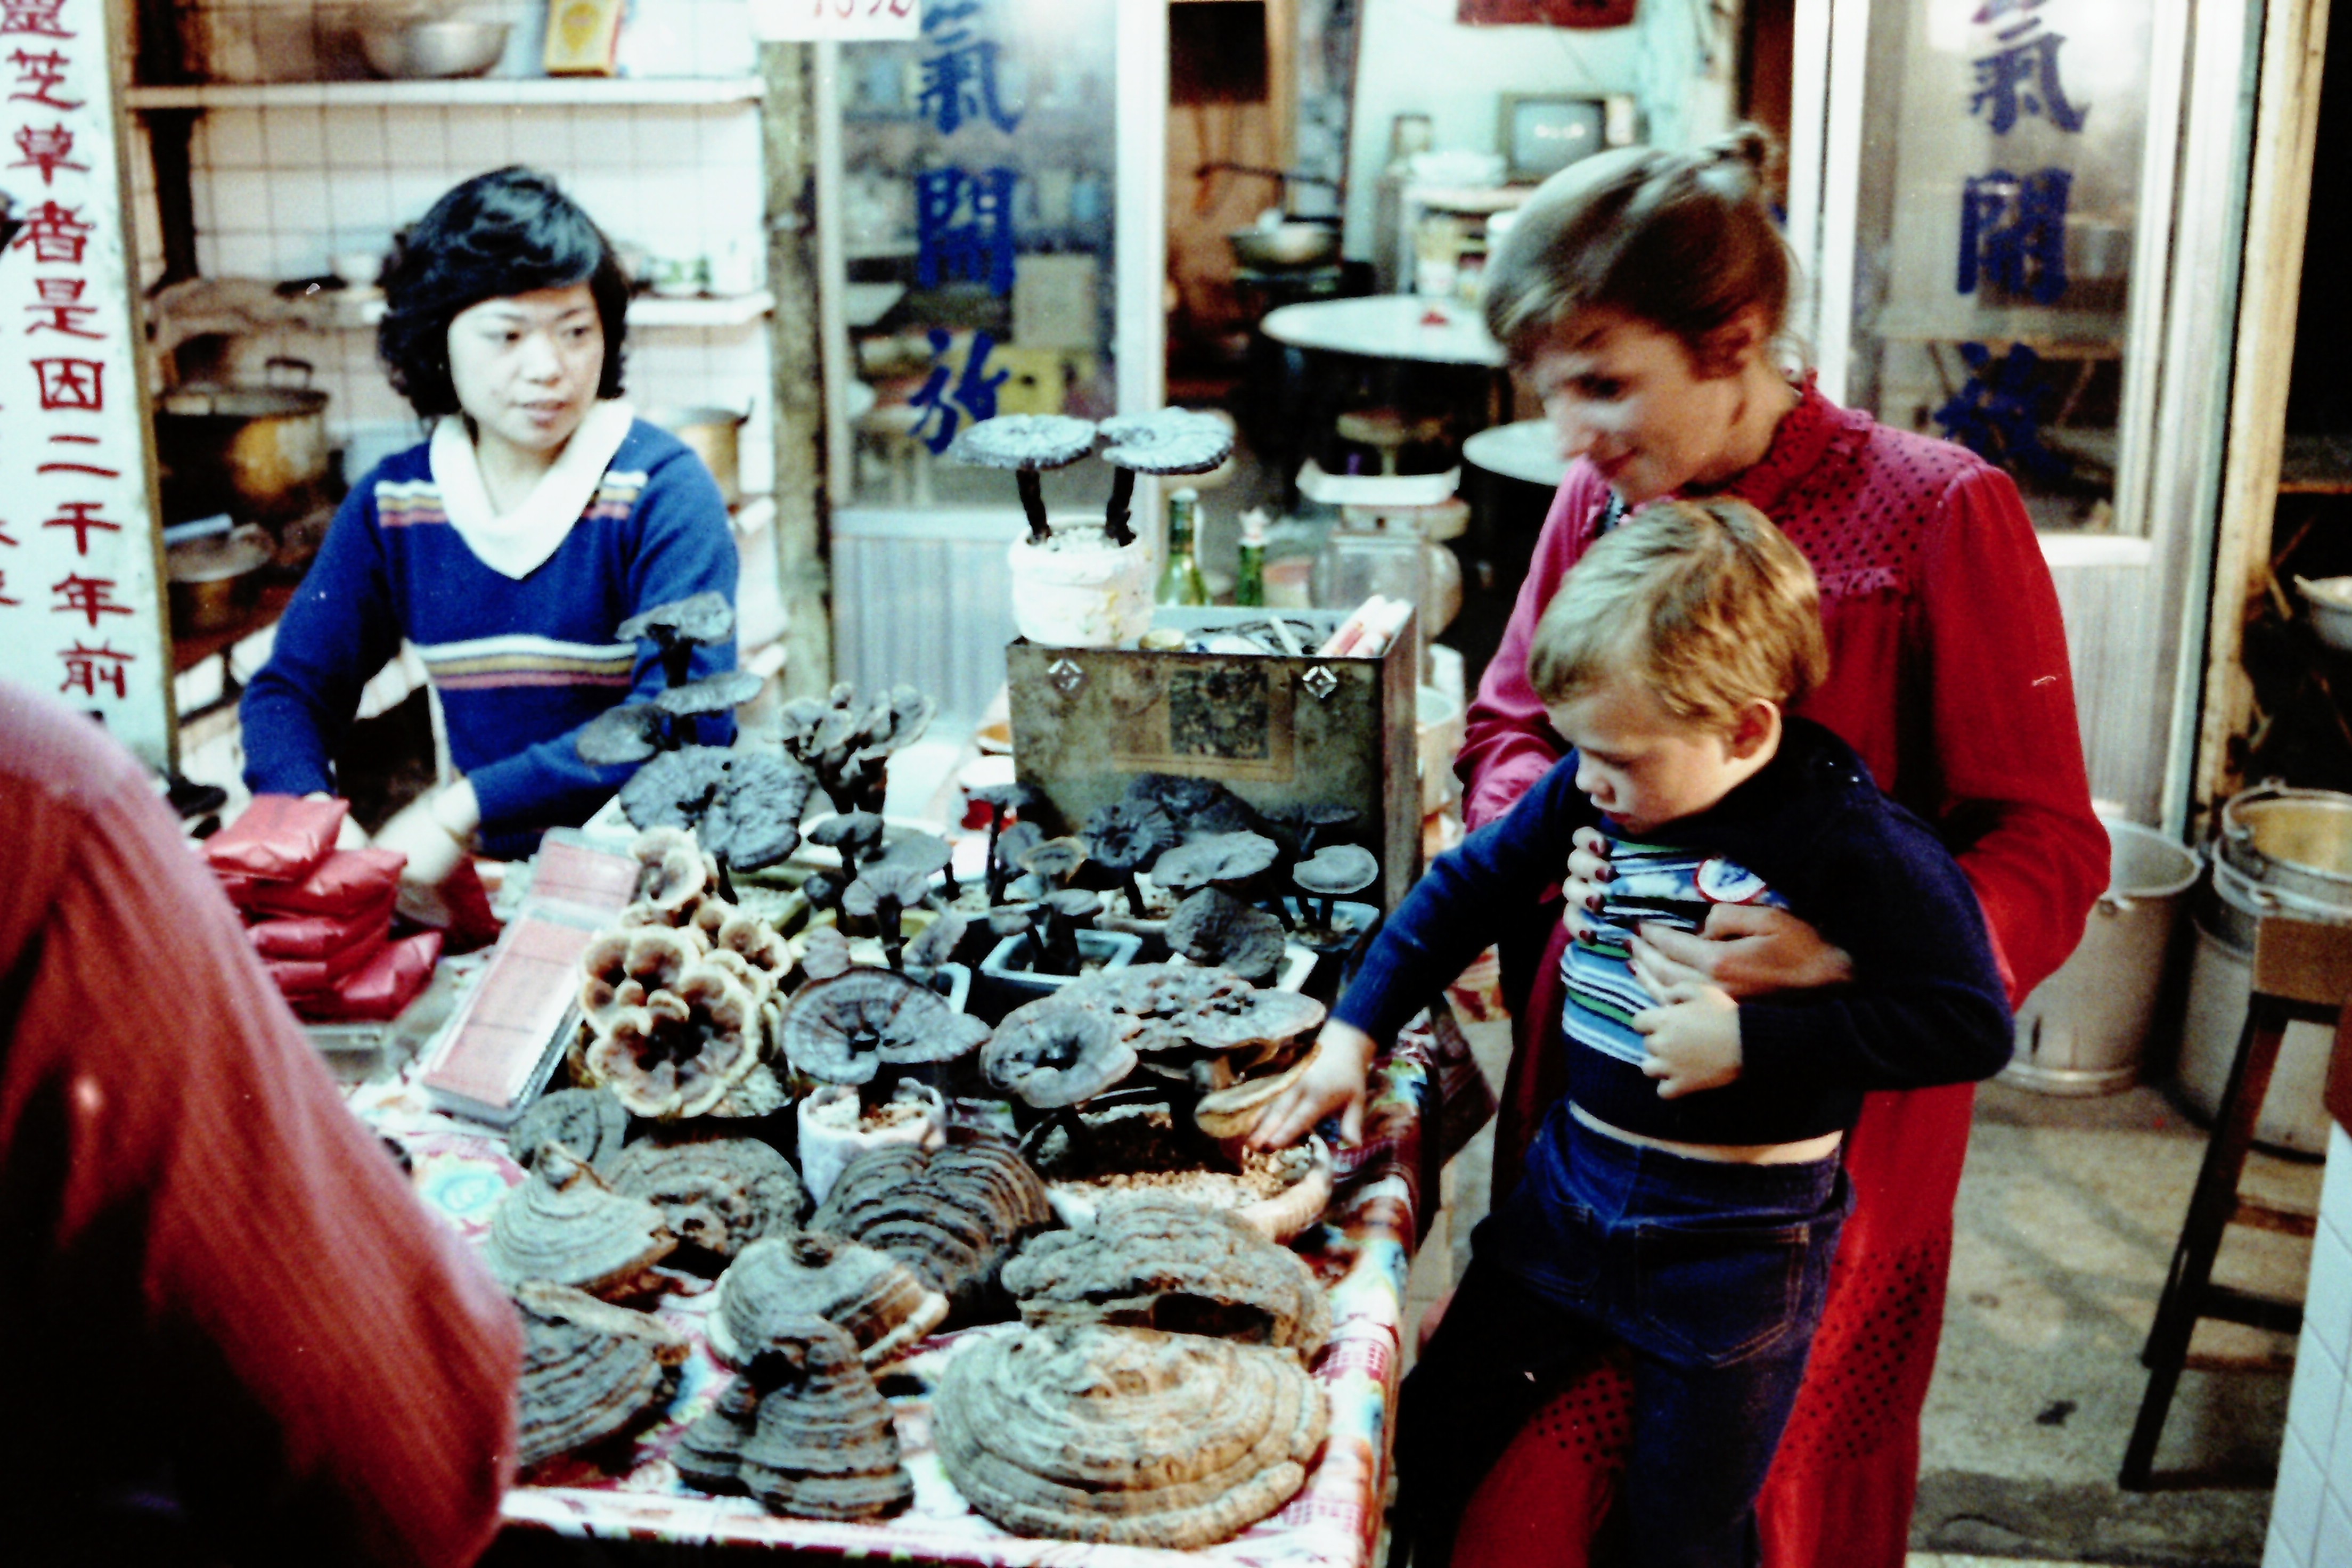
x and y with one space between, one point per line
1179 579
1249 576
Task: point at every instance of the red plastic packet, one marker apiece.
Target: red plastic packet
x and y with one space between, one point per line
279 837
299 980
383 988
471 924
345 884
321 938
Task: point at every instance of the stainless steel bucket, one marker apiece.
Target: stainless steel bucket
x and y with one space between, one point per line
2085 1030
2279 851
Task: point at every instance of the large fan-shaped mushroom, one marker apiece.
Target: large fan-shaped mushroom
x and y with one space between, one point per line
564 1224
1124 837
1334 871
845 1030
680 627
628 733
1215 928
1052 1055
721 693
744 807
679 1051
1217 861
1025 442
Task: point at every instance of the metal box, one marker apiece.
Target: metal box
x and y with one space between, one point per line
1277 730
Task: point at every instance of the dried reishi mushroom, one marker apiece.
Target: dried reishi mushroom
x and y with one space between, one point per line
1259 1016
627 733
845 1029
720 1195
1053 1055
999 801
1213 927
845 743
588 1121
721 693
825 953
872 1296
927 855
952 1216
590 1369
1232 1112
1126 1437
1025 442
937 943
677 628
1216 859
565 1225
883 893
1333 872
802 1429
745 808
679 1051
1124 837
1151 1262
1167 441
1197 806
856 835
1055 859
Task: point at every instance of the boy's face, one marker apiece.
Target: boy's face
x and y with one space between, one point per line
1628 396
1639 764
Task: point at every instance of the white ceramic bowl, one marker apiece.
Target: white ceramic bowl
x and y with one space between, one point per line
2329 599
436 50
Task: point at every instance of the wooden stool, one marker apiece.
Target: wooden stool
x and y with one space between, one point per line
2302 971
1388 433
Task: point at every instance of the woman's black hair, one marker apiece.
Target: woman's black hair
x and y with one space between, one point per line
510 231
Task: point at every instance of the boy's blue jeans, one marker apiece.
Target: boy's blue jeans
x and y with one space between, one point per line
1713 1275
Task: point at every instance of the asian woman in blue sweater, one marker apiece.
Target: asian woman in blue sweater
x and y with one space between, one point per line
538 517
1684 1199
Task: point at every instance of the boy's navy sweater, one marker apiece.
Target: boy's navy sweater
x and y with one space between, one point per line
520 665
1926 1005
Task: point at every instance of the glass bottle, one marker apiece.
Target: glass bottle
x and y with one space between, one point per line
1179 579
1249 578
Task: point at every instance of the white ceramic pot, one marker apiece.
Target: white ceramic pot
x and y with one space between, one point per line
1081 591
828 1146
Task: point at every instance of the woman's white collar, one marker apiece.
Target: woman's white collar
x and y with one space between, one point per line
516 544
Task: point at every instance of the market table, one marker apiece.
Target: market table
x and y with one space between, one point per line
1413 327
1362 1252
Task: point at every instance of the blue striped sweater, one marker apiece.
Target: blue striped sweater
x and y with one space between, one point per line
520 666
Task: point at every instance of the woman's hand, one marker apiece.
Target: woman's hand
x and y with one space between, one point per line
436 832
1333 1081
1745 950
1587 880
1692 1040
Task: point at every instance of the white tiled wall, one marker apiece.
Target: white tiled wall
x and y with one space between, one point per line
2311 1512
279 191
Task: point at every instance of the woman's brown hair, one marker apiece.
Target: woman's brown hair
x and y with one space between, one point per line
1682 241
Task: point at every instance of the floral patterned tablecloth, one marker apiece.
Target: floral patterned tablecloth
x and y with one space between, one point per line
1362 1251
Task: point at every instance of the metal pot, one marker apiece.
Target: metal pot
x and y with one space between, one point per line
2294 845
215 580
259 453
716 434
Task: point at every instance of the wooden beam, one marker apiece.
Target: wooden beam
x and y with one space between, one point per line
796 358
2278 209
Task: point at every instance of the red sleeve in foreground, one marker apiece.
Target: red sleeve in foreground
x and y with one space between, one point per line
336 1378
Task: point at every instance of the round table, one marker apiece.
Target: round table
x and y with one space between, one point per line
1528 450
1413 327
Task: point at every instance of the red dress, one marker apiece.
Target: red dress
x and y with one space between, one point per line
1948 674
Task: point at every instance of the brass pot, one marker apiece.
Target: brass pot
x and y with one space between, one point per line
258 453
215 581
715 435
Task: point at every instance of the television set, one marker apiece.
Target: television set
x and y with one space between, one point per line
1542 133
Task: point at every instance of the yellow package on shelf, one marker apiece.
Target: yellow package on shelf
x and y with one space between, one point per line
582 37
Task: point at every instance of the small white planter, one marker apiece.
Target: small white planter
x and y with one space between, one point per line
828 1145
1079 590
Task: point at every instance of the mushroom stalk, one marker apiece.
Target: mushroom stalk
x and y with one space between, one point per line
1033 503
676 656
726 882
992 875
1134 894
894 941
1122 493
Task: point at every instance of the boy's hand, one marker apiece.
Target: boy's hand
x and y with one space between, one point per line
1692 1040
1587 879
1333 1081
1745 950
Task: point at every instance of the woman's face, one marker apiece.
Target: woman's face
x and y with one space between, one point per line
1629 397
526 366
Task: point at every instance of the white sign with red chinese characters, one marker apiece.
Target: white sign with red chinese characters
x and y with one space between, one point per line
805 21
79 573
